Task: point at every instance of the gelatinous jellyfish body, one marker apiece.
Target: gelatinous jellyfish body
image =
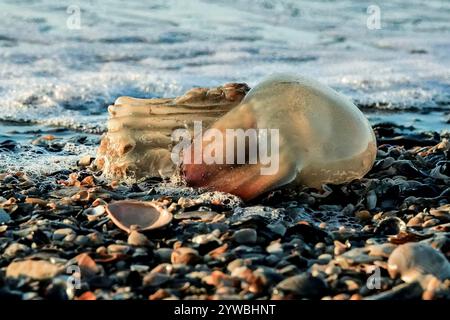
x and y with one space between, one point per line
322 138
139 138
305 134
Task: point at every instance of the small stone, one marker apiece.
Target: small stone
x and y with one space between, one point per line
138 239
34 269
415 222
88 266
341 296
303 285
139 268
16 249
275 248
324 258
85 161
36 201
352 285
60 234
356 296
339 248
81 240
4 216
235 264
277 228
164 254
155 279
363 215
159 295
381 250
185 255
289 270
95 238
118 248
243 273
245 236
165 268
430 223
331 269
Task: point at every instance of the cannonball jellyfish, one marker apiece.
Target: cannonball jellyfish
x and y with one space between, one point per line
287 130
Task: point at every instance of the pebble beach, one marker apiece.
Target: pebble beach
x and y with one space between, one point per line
58 243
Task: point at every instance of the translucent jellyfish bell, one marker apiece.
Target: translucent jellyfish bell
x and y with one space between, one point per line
313 136
323 138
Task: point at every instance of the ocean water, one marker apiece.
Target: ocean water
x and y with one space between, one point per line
63 62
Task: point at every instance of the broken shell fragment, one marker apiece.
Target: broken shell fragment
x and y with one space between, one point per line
131 215
412 261
94 213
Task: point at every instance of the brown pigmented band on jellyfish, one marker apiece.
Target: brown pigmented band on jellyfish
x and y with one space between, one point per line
322 137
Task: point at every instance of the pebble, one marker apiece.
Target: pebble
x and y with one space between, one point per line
363 215
60 234
118 248
16 249
303 285
339 247
155 279
139 268
138 239
235 264
324 258
81 240
34 269
245 236
163 254
165 268
415 222
333 270
185 255
381 250
275 248
430 223
4 216
85 161
88 266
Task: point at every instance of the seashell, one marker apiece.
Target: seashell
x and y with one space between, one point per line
412 261
129 215
94 213
316 128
